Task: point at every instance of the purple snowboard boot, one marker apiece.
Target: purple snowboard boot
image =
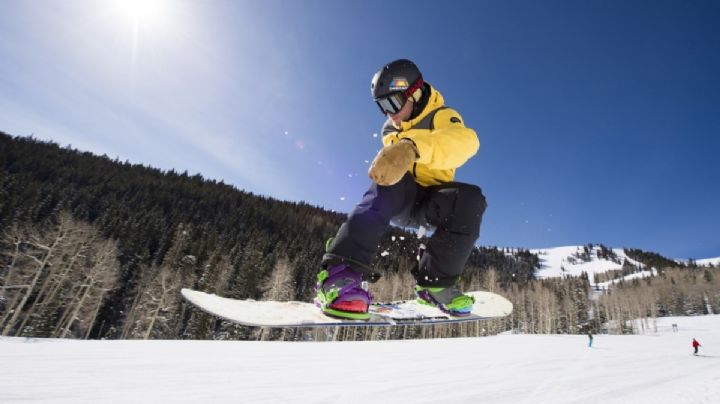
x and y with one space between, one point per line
341 292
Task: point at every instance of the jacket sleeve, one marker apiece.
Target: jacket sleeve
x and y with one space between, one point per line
449 145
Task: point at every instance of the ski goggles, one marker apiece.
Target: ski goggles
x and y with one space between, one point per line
392 104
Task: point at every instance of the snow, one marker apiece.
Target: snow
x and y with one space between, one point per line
637 275
708 261
563 261
654 368
554 260
702 262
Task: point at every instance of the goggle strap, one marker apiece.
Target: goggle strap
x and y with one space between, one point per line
417 84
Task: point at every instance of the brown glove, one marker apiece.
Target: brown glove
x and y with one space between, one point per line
392 162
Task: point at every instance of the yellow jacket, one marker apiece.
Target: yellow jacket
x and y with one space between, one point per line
442 149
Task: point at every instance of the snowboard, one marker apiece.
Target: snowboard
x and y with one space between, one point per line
282 314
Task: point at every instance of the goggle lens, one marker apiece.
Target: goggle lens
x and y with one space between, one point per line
392 104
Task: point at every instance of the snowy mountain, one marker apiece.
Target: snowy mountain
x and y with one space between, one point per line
592 260
574 260
657 368
708 262
597 259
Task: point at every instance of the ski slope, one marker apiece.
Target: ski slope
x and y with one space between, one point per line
559 261
708 262
563 261
554 369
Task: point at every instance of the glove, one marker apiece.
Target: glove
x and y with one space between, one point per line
392 162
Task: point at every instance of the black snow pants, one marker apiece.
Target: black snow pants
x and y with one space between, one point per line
453 210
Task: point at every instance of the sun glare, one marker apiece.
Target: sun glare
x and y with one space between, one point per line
144 12
151 25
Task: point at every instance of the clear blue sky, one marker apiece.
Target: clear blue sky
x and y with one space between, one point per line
599 121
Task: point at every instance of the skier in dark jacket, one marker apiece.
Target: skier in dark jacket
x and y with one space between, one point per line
412 184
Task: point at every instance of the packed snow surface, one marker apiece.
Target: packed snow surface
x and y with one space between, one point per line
654 368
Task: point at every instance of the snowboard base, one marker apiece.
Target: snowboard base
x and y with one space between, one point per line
302 314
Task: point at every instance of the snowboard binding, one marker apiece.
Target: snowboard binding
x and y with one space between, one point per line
342 293
449 300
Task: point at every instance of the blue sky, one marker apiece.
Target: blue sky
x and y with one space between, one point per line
599 121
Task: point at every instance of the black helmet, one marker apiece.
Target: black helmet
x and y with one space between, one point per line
394 83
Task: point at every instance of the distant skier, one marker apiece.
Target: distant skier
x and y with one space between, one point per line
695 345
590 340
412 184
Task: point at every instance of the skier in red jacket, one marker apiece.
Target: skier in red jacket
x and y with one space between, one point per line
696 345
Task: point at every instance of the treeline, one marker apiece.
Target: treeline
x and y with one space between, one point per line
92 247
651 259
56 278
164 230
569 306
144 209
676 291
54 282
589 252
517 266
552 306
556 306
627 269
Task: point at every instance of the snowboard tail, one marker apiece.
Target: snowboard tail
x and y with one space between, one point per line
302 314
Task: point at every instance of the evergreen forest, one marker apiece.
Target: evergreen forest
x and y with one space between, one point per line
96 248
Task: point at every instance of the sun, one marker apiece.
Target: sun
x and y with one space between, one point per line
150 25
144 12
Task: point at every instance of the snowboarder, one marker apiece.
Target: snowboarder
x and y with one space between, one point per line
695 345
412 185
590 340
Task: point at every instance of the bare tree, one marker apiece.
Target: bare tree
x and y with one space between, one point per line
157 309
57 278
95 281
38 254
280 284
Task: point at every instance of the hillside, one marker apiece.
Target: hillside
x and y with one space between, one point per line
146 233
575 260
604 265
708 262
96 248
